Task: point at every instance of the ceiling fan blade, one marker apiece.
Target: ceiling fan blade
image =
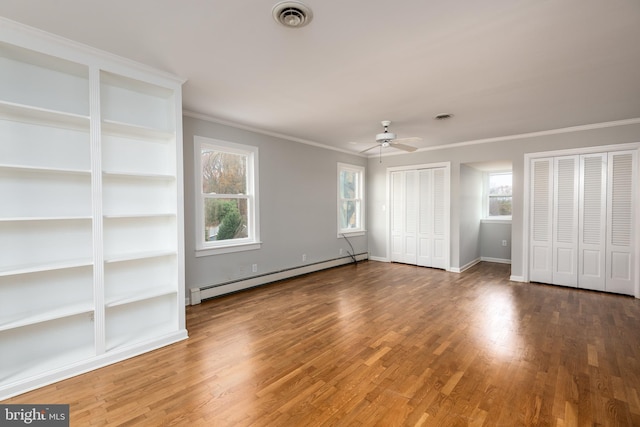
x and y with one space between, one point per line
406 140
370 148
404 147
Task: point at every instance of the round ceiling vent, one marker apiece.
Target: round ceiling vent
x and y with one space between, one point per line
292 14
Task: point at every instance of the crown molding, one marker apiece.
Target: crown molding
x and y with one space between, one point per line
236 125
558 131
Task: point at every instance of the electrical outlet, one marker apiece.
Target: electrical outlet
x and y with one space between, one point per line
504 243
304 257
341 251
254 268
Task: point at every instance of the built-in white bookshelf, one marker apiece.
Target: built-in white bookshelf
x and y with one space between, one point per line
91 221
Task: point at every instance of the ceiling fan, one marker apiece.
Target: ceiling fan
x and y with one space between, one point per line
388 139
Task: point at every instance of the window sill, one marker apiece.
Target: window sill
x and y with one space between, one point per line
497 220
352 234
200 252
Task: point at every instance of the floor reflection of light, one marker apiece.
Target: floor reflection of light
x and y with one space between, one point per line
498 324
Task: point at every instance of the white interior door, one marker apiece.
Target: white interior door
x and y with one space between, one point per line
440 223
565 221
397 216
541 205
412 200
419 217
592 223
620 253
425 215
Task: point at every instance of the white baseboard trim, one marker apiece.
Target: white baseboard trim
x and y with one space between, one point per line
464 267
498 260
517 279
379 258
205 292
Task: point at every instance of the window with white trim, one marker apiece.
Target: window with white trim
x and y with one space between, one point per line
498 195
227 196
350 199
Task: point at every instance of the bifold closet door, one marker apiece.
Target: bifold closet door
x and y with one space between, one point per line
404 216
541 224
621 233
418 217
592 223
565 221
553 254
432 245
582 230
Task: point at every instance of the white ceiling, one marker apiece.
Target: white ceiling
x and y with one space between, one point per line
502 67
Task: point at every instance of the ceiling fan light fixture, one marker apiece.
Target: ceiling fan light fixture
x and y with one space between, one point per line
292 14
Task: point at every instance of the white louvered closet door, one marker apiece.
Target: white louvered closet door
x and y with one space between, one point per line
540 233
621 188
592 223
565 221
582 231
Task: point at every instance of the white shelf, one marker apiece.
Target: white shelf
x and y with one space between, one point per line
138 175
42 192
140 215
134 337
57 313
42 169
90 212
45 346
113 127
140 321
138 255
45 218
35 268
22 370
139 296
43 116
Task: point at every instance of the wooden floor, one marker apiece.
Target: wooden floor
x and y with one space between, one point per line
380 344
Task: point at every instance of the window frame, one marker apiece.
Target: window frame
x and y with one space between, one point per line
252 241
360 197
487 217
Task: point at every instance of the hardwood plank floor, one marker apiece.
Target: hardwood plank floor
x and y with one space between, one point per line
380 344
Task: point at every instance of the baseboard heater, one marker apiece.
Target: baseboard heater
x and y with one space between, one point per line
200 294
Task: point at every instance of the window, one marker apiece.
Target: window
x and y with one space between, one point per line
227 196
499 194
350 199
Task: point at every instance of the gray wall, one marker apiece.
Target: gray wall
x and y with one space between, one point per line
509 149
491 237
470 202
298 206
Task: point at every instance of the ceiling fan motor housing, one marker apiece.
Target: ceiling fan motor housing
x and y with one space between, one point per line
385 137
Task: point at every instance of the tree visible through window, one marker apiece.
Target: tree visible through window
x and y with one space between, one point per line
227 204
499 193
350 198
224 174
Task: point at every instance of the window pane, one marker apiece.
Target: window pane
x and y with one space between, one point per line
223 173
348 184
350 214
499 206
500 184
225 219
